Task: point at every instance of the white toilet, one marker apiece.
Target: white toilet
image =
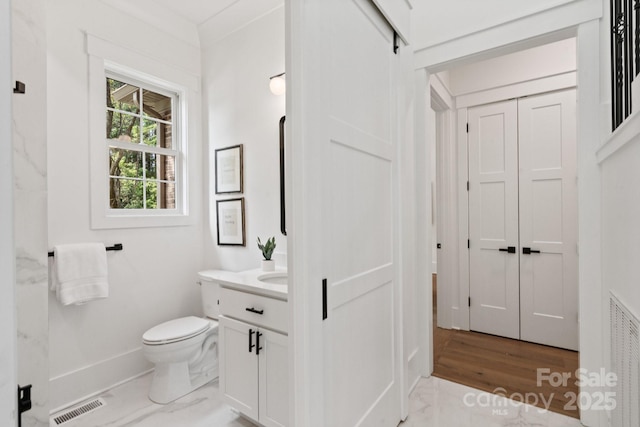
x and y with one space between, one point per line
185 350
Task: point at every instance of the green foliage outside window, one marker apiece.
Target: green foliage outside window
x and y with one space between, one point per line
138 176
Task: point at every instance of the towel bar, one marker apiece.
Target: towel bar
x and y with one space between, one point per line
116 247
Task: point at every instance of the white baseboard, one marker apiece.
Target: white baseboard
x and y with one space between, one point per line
73 387
415 369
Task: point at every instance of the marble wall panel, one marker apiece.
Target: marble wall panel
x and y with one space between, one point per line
29 121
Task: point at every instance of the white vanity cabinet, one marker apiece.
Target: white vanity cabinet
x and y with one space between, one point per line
253 355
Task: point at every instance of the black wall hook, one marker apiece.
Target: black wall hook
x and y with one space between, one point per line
20 87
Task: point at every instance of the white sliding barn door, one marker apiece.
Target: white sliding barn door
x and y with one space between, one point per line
493 219
548 219
358 221
344 228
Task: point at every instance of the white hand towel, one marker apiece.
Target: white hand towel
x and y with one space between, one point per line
81 272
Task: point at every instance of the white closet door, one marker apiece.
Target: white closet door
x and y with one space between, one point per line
493 219
548 219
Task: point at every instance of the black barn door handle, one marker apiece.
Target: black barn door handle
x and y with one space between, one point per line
283 214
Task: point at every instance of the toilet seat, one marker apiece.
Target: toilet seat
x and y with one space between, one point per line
176 330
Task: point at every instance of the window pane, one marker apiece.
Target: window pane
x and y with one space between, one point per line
123 127
156 134
123 96
160 167
126 194
125 163
150 132
139 179
161 195
152 194
156 105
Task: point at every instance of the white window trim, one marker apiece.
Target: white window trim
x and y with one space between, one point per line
104 58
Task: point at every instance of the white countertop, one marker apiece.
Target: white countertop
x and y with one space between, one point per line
248 281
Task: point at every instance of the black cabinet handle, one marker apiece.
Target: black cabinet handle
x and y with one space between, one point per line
510 249
253 310
528 251
251 344
258 348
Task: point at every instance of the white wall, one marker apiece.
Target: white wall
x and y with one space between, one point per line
461 30
7 258
240 109
619 158
526 65
419 325
413 273
620 226
440 23
153 279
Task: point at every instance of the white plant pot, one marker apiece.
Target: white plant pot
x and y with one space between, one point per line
268 265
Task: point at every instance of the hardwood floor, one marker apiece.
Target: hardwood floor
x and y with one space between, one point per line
488 362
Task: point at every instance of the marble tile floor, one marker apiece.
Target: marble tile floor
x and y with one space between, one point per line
127 405
433 403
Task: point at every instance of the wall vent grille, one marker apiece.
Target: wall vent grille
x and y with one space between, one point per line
625 360
78 411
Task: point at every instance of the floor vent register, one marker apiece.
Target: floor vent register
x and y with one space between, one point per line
78 411
625 361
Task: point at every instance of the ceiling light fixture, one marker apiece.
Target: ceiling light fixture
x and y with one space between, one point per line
277 84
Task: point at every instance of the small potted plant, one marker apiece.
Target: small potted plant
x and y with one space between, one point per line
267 250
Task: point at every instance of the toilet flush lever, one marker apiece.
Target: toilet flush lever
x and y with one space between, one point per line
253 310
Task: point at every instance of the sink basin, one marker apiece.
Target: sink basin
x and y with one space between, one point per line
275 278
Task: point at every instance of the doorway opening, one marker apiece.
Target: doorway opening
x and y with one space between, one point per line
512 367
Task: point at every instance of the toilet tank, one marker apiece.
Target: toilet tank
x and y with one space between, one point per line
210 294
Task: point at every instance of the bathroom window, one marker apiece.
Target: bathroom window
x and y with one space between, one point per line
143 121
142 141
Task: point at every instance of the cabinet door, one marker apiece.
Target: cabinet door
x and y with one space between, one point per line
274 379
238 366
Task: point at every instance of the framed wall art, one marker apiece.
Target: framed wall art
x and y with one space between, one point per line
230 215
229 169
